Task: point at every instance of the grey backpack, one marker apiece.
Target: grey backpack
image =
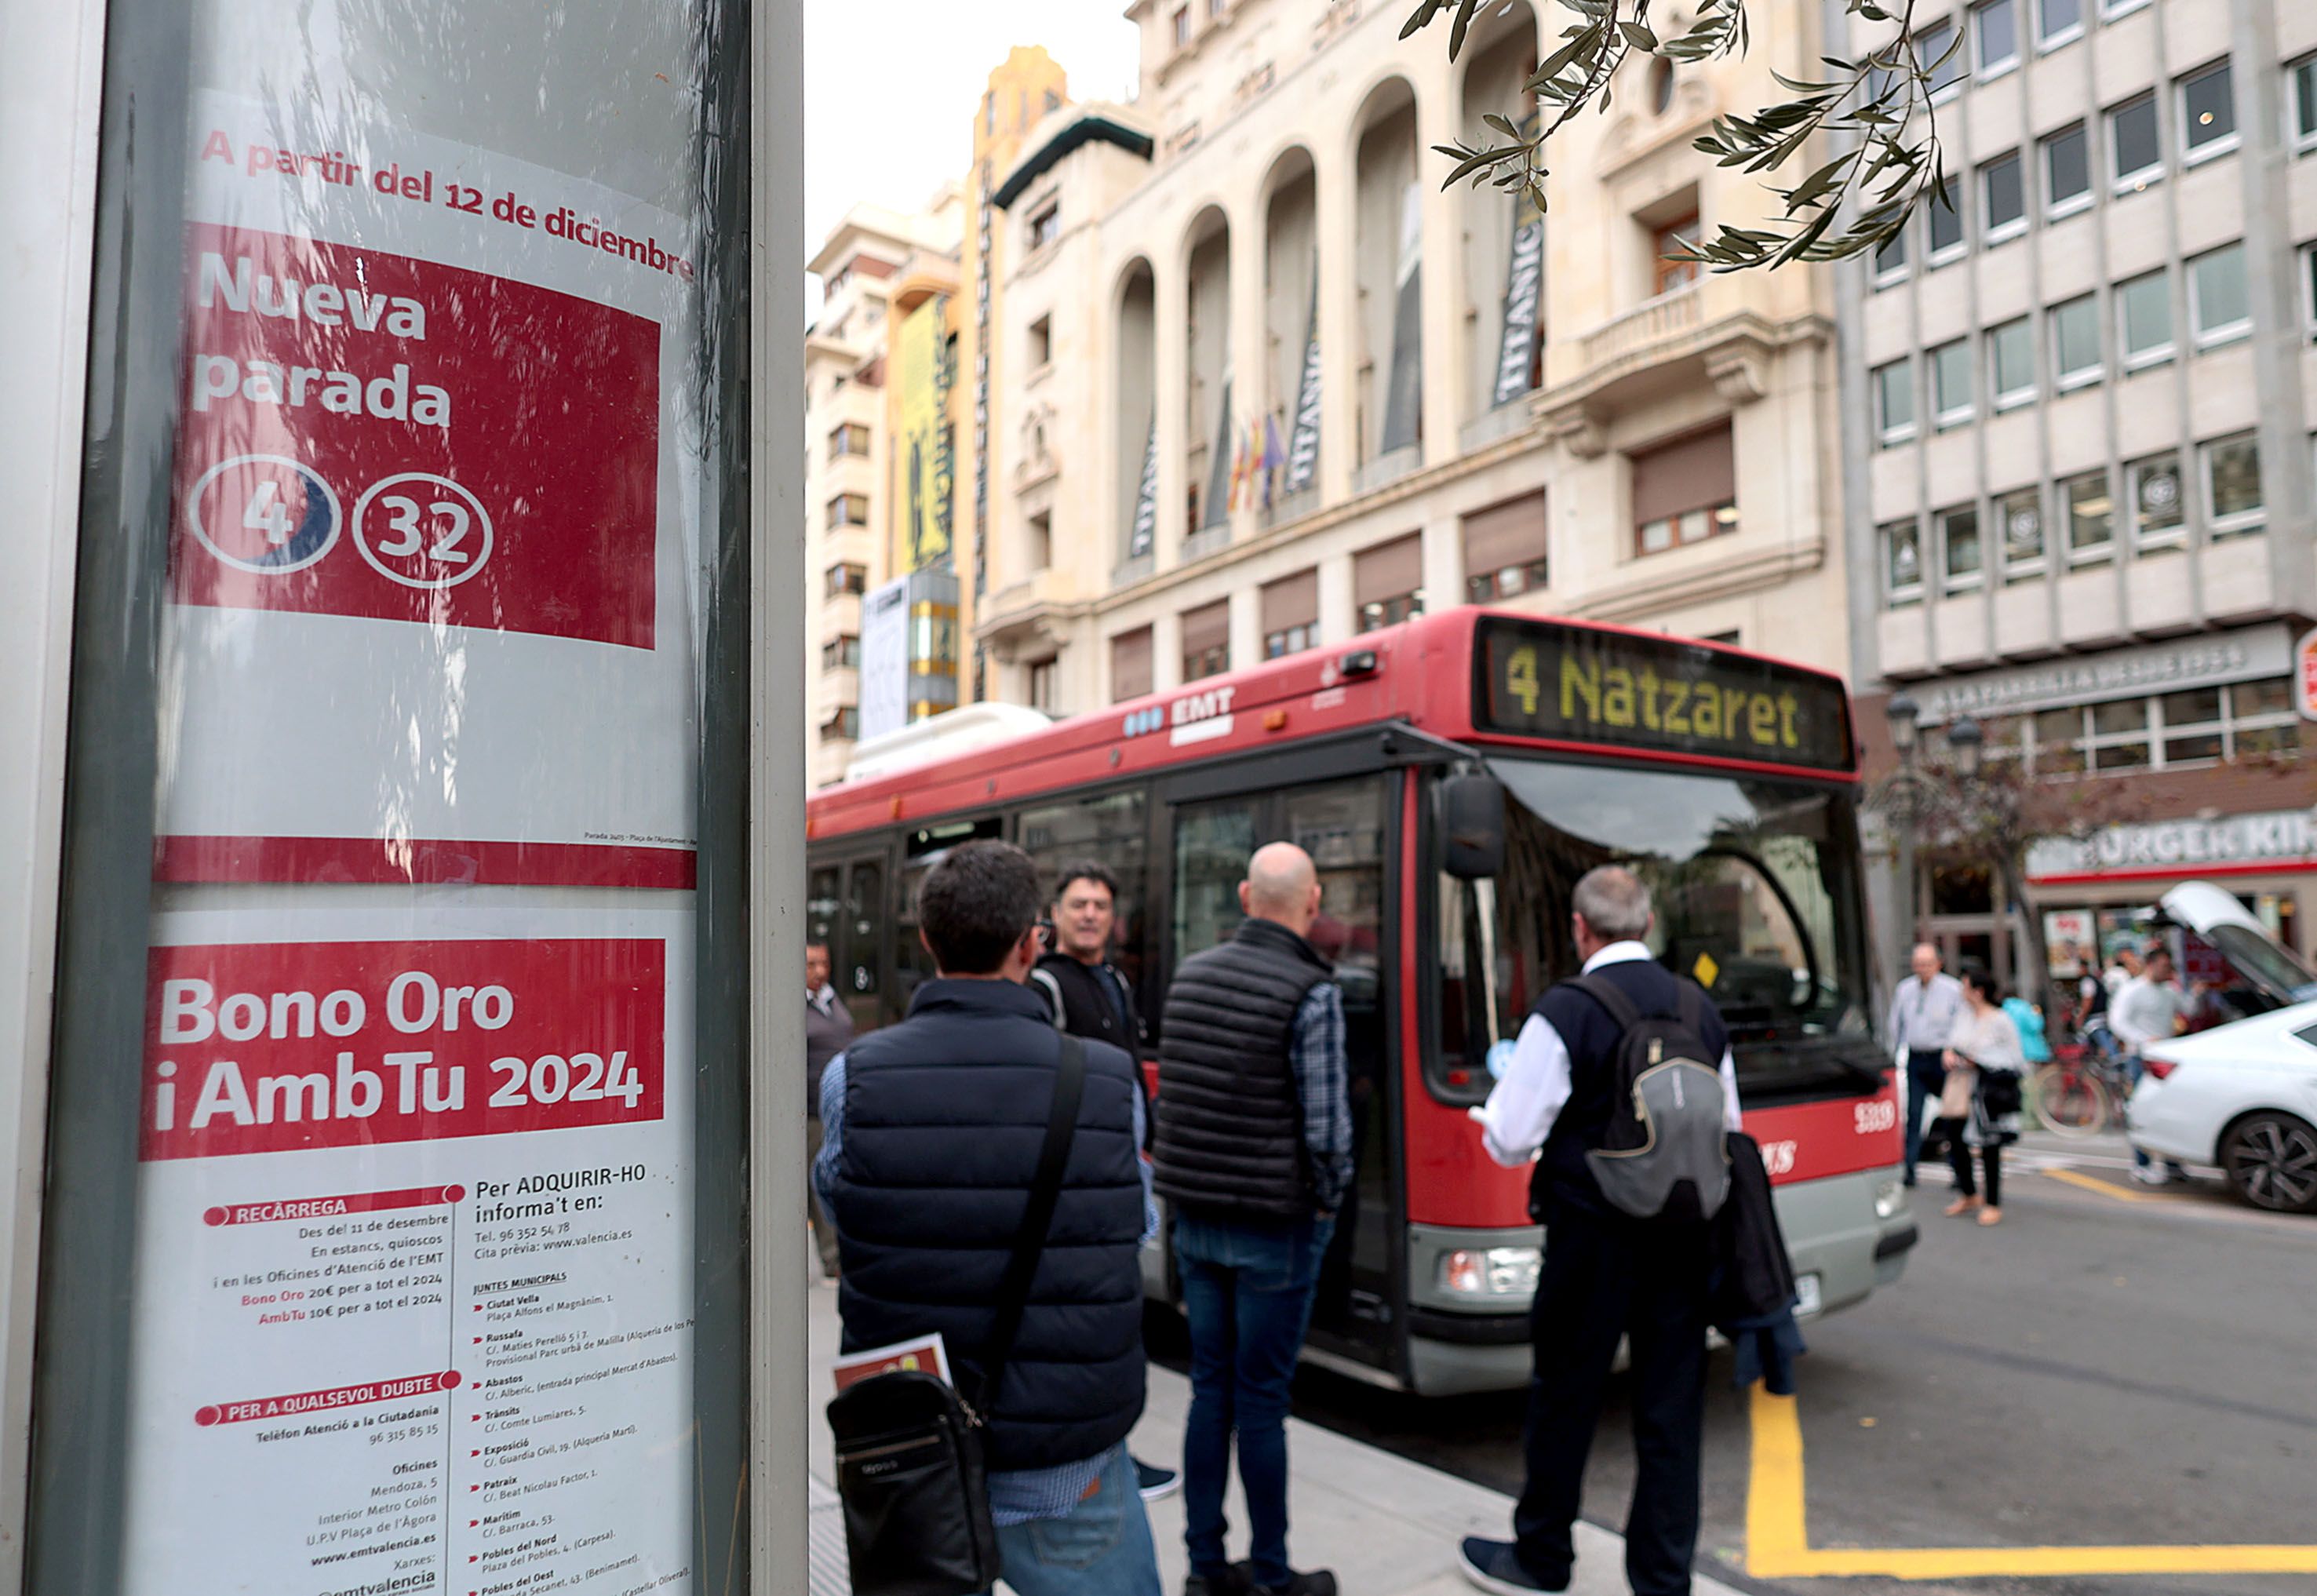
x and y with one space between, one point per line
1662 1157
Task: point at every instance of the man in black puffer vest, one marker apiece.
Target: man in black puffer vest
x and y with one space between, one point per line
930 1134
1254 1154
1607 1277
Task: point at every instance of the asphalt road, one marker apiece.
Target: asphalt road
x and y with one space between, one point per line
2105 1369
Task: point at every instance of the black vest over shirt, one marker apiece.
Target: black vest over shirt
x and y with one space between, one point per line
1230 1143
1591 1036
944 1115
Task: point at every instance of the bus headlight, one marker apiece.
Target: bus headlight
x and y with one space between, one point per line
1494 1271
1890 1198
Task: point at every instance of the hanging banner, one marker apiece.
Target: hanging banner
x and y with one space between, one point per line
1142 533
1524 298
885 659
433 420
1303 438
1216 507
415 1278
923 444
1403 411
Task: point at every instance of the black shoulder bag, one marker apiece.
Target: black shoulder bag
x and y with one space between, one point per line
908 1446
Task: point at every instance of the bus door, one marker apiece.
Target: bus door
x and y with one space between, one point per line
845 906
1350 830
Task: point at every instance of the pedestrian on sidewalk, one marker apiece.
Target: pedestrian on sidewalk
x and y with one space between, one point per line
827 1029
2150 1008
1253 1154
1608 1277
932 1130
1923 1013
1985 1062
1089 997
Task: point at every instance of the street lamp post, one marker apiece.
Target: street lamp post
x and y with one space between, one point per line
1904 713
1965 744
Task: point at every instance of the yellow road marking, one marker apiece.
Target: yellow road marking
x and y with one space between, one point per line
1777 1538
2094 1183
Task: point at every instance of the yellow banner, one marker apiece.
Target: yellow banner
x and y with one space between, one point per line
922 451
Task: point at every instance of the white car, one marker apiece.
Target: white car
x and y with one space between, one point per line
2243 1095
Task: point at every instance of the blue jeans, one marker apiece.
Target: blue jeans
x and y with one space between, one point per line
1926 1079
1247 1292
1102 1547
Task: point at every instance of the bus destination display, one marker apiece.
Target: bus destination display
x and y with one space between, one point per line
1538 680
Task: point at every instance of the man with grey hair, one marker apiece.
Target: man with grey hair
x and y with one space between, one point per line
1923 1014
1607 1276
1254 1154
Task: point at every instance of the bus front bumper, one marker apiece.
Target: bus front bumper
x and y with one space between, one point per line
1468 1305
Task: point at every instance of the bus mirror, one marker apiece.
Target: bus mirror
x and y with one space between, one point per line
1472 826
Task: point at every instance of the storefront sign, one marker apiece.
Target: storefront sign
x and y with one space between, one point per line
2286 839
2304 675
2244 655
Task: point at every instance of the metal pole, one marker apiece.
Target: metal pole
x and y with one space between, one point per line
1911 817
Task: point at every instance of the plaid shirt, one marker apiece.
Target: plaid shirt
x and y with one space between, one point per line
1315 1051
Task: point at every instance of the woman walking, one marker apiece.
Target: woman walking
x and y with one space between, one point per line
1981 1106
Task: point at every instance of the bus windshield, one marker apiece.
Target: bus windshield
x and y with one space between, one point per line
1755 886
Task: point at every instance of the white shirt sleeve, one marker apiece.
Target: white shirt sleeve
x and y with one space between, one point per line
1730 1118
1522 1108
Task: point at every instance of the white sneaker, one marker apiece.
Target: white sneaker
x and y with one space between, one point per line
2150 1175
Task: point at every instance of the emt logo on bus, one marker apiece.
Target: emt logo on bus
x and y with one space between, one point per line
1539 679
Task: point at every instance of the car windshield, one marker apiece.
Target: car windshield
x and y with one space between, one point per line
1757 893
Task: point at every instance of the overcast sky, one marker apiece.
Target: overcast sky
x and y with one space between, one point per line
890 89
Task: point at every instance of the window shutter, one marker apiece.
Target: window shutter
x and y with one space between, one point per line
1290 602
1693 474
1388 570
1506 535
1130 665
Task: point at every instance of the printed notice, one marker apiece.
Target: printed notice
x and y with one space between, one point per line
415 1284
432 570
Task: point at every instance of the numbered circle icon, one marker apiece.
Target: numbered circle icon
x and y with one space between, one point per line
264 513
422 530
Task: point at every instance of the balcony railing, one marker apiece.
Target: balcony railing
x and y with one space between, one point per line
1669 315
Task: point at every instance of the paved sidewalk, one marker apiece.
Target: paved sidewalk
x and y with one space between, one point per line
1386 1525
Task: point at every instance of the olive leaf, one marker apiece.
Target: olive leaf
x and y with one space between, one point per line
1867 127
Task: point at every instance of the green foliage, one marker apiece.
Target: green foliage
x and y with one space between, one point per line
1871 117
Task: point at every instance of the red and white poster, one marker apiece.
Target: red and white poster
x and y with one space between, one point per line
415 1270
435 597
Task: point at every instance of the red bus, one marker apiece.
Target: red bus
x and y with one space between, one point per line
1453 777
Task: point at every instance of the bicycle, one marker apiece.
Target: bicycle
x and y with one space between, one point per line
2081 1091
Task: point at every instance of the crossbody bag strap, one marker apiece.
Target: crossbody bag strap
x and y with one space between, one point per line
1045 1192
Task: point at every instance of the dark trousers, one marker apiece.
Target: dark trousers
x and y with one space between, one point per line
1926 1077
1248 1293
1602 1281
824 1234
1991 1158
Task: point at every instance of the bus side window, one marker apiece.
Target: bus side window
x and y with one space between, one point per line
865 928
1111 830
1212 843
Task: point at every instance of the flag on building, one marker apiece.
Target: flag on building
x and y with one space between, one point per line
1274 457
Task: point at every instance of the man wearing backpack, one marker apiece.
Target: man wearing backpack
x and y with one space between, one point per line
1623 1077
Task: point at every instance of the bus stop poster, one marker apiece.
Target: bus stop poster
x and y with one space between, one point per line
413 1289
435 463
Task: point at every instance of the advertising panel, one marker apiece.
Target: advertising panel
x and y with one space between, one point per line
411 1243
922 444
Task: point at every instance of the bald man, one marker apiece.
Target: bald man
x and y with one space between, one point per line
1253 1154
